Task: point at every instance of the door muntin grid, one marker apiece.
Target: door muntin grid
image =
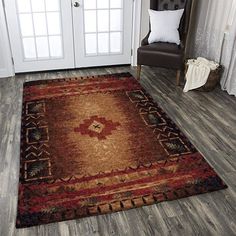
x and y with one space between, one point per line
40 29
103 27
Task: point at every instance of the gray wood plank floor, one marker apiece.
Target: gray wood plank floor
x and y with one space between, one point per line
208 119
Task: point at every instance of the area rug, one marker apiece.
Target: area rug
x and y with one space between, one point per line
98 145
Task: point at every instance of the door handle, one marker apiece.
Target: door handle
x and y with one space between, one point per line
76 4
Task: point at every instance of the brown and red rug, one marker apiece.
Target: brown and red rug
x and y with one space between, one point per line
99 145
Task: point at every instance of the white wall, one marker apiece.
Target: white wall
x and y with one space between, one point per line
141 25
145 18
6 68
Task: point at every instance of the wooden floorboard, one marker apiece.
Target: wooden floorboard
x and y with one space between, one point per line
207 119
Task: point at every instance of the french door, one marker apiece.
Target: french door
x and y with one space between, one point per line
102 32
61 34
41 34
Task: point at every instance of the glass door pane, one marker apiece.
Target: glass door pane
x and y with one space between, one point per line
103 24
40 23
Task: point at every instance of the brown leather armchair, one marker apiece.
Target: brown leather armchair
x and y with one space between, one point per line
167 55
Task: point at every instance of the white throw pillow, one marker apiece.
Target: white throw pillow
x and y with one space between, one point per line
164 26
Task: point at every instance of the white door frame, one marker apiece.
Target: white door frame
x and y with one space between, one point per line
136 35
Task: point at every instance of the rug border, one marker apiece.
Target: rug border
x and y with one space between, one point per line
76 78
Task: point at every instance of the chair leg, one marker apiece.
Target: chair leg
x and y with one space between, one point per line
178 77
139 67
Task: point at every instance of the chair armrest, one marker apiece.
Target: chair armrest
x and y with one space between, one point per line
145 40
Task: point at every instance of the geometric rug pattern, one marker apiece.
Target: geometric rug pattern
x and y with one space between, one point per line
98 145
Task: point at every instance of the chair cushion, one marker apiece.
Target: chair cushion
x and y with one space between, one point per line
168 55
